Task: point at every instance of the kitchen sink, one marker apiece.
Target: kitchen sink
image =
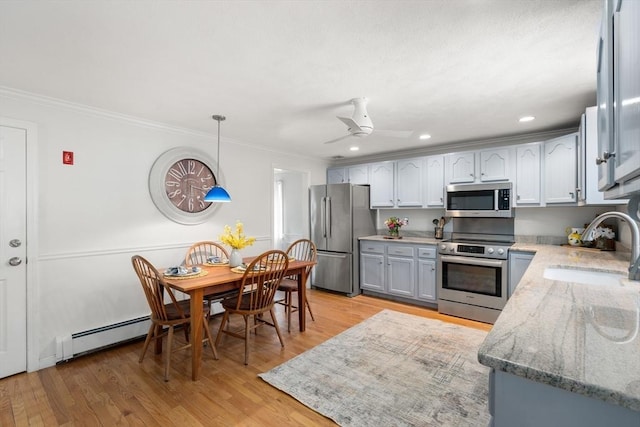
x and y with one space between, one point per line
584 276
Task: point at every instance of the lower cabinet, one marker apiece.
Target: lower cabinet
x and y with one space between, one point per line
402 270
518 264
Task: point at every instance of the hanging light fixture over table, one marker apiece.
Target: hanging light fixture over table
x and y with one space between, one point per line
218 193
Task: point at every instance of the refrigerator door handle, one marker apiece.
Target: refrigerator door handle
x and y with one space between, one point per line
323 218
329 218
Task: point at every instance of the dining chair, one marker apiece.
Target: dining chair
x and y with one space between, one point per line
198 254
303 250
170 315
260 282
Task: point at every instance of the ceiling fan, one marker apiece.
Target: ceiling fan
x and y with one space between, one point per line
360 124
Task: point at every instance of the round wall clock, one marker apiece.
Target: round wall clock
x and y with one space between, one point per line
178 181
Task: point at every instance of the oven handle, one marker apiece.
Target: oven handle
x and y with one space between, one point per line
472 261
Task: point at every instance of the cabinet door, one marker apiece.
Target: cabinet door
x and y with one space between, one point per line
427 279
460 167
626 95
528 174
495 165
401 276
518 264
560 174
434 172
381 191
372 272
604 82
359 174
409 182
336 175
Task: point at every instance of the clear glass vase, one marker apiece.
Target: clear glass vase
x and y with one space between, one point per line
235 258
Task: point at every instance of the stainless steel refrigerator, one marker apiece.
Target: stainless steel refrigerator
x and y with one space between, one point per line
339 215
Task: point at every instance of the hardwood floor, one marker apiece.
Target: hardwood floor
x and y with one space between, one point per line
111 388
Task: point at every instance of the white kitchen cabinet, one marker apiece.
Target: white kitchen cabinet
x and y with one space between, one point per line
409 182
588 193
434 181
358 174
518 263
560 169
381 177
495 164
372 266
618 89
336 175
460 167
527 183
401 270
396 184
427 273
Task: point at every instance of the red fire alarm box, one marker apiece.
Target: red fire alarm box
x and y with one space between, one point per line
67 157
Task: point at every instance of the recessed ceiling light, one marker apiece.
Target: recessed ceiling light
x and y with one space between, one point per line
354 148
527 118
425 136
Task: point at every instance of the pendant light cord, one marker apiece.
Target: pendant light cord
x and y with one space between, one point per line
218 118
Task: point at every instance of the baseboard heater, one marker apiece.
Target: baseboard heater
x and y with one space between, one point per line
95 339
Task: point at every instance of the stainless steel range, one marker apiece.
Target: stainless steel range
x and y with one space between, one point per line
473 268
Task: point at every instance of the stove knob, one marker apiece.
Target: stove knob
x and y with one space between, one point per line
452 249
490 250
443 247
501 251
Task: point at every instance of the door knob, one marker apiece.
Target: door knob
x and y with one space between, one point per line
15 261
15 243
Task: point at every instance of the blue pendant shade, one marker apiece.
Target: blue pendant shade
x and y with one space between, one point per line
218 194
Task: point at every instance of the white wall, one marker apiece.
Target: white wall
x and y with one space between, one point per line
93 216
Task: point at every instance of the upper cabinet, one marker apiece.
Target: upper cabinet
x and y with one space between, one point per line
492 165
396 184
460 167
560 169
434 181
619 99
588 193
527 184
358 174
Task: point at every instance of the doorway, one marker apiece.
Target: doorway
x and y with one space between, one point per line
290 207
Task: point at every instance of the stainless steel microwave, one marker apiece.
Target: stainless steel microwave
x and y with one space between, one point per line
486 200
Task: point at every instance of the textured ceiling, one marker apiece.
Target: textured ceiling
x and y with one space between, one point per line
282 70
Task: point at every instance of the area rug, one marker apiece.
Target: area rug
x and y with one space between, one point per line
393 369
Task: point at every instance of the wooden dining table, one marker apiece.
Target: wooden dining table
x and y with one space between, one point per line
218 280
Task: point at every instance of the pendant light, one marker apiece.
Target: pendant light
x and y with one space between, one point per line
217 194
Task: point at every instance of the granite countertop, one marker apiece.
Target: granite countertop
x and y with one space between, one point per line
578 337
404 239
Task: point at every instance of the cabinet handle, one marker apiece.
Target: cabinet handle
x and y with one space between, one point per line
605 156
518 197
571 194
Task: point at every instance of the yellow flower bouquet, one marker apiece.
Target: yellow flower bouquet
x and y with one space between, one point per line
237 239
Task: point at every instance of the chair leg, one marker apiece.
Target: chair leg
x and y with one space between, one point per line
209 338
225 319
146 342
246 339
306 301
275 324
289 310
167 360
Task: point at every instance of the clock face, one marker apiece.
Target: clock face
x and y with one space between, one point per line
187 182
178 182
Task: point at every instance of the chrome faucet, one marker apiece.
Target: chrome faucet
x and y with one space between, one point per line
634 271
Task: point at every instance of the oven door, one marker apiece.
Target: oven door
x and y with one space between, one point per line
475 281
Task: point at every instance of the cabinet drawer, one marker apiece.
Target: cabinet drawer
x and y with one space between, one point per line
400 250
427 252
371 247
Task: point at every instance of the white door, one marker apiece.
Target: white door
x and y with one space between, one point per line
13 249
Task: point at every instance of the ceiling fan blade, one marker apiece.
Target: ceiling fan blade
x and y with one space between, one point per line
351 124
394 133
338 139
